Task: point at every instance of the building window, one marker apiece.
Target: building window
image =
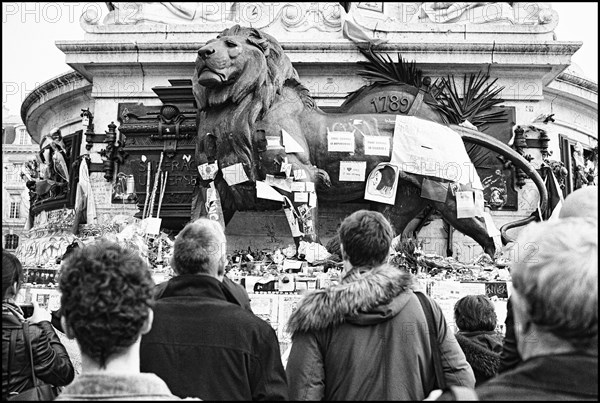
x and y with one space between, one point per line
15 209
23 137
13 173
12 241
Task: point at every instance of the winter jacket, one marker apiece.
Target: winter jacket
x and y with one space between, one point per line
51 361
367 339
510 356
104 386
554 377
233 292
482 350
203 346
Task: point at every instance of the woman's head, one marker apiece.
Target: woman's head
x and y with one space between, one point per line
12 272
475 313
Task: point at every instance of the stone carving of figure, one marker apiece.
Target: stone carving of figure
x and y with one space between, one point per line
167 12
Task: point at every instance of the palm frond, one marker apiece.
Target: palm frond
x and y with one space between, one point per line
382 69
478 97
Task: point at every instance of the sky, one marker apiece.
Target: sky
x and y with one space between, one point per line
30 57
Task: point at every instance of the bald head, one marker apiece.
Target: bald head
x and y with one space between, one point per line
581 203
200 248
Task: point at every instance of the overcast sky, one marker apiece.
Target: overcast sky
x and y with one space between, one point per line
30 57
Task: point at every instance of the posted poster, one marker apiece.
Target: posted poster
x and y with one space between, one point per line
340 141
234 174
352 171
431 149
377 145
287 305
465 205
265 307
382 184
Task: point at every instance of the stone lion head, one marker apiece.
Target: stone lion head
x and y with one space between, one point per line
240 62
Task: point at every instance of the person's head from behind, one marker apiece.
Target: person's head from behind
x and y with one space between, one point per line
12 275
555 285
581 203
107 295
200 247
475 313
365 238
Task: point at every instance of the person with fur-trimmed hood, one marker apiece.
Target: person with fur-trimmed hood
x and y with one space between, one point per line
366 338
476 320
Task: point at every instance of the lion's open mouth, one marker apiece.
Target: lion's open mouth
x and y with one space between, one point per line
211 78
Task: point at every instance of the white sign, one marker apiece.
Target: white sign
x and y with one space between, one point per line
339 141
290 144
352 171
281 183
298 186
431 149
465 205
382 184
479 202
299 174
273 142
153 225
377 145
310 186
264 191
208 171
234 174
301 197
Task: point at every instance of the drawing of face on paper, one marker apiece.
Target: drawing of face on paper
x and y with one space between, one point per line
382 184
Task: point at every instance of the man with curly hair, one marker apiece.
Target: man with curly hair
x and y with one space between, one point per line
106 306
204 344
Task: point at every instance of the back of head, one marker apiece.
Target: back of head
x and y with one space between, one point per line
200 248
106 292
556 281
366 237
581 203
12 271
475 313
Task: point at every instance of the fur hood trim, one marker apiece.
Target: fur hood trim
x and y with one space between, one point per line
359 291
481 359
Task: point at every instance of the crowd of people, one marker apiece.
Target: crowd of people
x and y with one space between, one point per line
370 337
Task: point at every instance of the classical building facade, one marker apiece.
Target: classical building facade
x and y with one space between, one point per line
17 150
129 68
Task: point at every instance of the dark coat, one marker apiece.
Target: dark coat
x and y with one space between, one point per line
482 350
510 356
50 358
203 346
556 377
367 339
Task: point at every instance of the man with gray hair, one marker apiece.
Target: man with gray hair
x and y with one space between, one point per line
555 292
203 344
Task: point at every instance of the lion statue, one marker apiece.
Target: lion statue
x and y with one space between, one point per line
248 96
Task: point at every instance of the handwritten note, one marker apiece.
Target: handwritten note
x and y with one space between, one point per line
338 141
352 171
377 145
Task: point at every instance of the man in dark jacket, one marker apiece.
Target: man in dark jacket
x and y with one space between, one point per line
202 344
366 338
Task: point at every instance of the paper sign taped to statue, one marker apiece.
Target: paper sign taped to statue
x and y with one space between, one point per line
290 144
427 148
298 187
312 199
208 171
293 222
281 183
264 191
273 142
310 186
299 174
301 197
352 171
479 202
377 145
465 204
339 141
382 184
234 174
434 190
